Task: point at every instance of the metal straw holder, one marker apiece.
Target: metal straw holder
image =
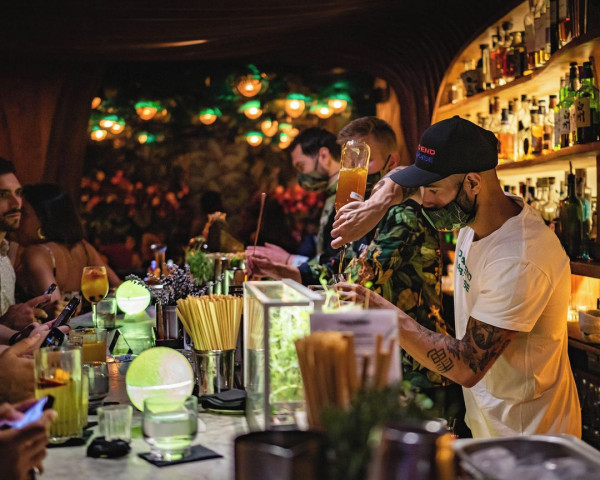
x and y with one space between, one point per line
214 370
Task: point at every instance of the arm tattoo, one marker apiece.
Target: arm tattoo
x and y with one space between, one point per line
480 347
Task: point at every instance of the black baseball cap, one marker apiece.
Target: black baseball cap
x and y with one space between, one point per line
451 146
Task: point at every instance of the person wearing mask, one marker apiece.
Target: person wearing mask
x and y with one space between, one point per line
511 293
315 155
403 264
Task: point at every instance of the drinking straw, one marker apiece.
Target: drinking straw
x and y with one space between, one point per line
263 196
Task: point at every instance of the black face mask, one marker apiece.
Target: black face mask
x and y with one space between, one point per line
452 216
313 181
373 178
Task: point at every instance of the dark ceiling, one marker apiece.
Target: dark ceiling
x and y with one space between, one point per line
408 43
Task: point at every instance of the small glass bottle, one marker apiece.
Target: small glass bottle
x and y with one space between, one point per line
537 131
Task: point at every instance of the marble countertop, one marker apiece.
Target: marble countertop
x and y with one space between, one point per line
216 432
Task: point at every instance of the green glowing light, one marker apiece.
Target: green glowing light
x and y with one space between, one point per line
159 372
132 297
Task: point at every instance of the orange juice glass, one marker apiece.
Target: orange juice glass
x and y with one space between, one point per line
94 286
352 182
93 348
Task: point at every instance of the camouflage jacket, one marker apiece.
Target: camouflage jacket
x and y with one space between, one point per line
403 264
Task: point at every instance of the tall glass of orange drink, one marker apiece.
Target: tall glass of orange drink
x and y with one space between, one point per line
352 182
94 286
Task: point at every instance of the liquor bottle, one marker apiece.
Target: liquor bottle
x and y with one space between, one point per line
486 76
495 61
518 56
553 30
549 129
571 220
506 26
495 116
506 137
586 107
557 115
565 113
537 131
570 99
580 191
564 22
550 206
524 129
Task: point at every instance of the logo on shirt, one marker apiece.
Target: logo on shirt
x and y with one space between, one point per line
463 270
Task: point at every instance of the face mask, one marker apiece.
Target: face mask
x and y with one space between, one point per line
313 181
450 217
373 178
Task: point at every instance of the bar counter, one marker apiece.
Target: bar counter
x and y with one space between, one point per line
214 431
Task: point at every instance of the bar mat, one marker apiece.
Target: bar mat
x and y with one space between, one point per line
73 442
198 452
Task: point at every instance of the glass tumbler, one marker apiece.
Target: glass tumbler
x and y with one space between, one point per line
57 372
98 383
170 426
114 422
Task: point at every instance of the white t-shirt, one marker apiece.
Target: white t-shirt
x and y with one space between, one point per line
519 278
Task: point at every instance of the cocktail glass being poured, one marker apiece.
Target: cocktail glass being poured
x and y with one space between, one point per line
352 182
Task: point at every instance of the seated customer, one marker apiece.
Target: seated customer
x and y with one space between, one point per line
54 248
23 449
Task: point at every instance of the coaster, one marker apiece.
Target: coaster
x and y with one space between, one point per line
198 452
73 442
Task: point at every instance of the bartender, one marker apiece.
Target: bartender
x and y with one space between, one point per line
512 286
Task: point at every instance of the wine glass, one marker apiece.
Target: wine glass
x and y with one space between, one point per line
94 286
352 181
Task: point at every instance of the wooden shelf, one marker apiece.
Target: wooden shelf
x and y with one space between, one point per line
586 269
542 82
582 156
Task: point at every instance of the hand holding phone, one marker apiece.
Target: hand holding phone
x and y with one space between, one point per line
67 313
32 414
48 291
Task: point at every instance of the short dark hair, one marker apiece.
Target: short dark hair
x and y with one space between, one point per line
312 139
58 216
6 166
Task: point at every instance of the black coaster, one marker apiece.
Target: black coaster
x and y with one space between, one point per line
198 452
73 442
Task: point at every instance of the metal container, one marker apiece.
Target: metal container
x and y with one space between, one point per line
553 451
214 370
281 455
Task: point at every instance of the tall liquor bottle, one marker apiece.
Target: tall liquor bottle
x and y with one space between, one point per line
537 129
506 137
564 23
571 221
586 107
549 128
570 97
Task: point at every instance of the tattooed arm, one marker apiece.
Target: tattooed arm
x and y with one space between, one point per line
356 219
464 361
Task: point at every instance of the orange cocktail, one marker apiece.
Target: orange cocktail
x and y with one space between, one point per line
352 185
94 284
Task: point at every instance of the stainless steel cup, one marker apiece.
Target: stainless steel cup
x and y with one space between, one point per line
214 370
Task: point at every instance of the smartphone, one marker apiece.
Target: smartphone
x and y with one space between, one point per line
67 313
32 414
21 335
48 291
55 338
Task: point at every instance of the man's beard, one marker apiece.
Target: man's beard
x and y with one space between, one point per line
10 224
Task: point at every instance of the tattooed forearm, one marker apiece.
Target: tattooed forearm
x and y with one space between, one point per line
406 191
442 361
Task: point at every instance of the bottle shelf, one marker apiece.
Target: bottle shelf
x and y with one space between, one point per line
582 156
542 82
586 269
